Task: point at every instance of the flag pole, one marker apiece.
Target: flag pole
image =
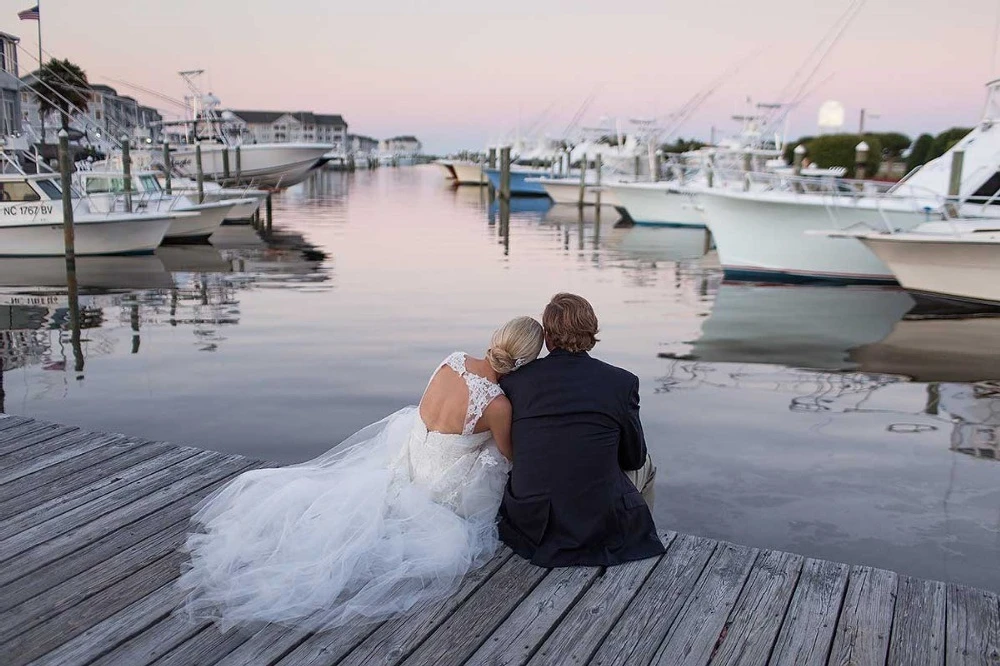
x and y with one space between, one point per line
41 61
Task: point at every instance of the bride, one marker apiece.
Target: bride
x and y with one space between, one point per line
391 518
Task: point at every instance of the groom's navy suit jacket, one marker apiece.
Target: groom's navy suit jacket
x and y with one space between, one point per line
575 428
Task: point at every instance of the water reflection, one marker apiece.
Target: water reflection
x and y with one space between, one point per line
181 286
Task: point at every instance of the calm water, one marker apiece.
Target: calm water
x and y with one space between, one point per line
841 423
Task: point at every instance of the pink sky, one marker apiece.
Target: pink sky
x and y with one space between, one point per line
457 77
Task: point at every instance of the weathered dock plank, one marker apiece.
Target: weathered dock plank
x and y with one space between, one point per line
581 632
918 628
696 632
972 626
142 500
807 632
752 628
862 634
43 445
94 524
637 636
171 518
107 634
517 639
467 629
61 514
396 640
24 435
103 463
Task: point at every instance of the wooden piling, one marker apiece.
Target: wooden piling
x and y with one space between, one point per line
167 167
860 160
799 158
239 164
69 246
583 180
638 166
66 182
710 174
270 213
597 174
657 164
199 172
225 163
505 173
127 172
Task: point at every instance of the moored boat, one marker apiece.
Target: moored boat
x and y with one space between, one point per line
31 223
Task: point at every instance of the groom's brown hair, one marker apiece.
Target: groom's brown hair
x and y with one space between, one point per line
570 323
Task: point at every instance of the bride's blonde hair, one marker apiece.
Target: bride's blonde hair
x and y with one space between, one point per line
514 344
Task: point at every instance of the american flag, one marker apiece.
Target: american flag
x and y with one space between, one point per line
30 14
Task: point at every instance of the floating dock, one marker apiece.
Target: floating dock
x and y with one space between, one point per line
90 525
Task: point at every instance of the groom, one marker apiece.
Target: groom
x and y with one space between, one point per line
576 433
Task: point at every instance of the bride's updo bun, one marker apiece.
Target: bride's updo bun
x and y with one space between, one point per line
514 344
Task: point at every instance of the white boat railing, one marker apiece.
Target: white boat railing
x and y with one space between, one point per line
838 194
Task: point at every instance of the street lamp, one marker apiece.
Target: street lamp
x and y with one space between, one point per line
866 116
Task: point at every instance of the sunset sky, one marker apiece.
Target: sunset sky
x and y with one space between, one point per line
459 74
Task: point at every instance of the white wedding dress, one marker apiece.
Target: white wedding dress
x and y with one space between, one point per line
388 520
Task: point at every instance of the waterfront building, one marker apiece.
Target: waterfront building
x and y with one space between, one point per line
10 85
360 144
107 115
401 146
294 127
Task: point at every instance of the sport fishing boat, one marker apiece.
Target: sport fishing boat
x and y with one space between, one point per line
31 222
959 260
775 229
106 192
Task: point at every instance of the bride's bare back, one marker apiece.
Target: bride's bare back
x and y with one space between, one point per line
445 408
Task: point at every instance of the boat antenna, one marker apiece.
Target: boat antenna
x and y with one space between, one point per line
996 39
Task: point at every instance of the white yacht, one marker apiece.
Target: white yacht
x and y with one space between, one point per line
105 192
31 222
958 260
265 165
769 231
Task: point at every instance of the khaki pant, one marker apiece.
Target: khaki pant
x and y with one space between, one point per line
644 480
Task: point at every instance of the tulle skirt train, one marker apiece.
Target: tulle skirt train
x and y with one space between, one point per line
345 538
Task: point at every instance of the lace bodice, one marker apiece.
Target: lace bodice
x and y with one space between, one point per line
481 391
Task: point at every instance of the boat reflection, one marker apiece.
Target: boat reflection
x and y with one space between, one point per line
665 243
975 413
183 286
796 326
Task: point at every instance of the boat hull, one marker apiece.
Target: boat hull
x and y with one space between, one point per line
567 191
208 219
99 235
519 185
770 240
263 165
650 204
468 173
947 267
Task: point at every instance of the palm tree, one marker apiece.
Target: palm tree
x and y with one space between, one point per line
61 86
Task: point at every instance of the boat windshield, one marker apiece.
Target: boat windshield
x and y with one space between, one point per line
18 190
102 184
149 183
51 189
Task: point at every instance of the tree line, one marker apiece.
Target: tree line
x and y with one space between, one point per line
833 150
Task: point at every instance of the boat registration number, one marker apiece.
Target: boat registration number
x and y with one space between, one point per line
27 209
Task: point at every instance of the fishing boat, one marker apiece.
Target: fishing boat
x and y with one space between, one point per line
447 168
523 181
105 192
775 228
468 173
264 165
31 222
963 264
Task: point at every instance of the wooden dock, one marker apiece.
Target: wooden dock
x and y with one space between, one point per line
90 525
